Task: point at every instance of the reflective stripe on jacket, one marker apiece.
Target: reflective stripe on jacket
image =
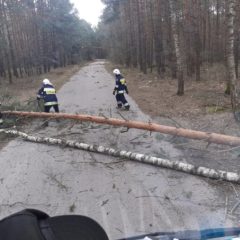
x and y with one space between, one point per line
121 85
48 93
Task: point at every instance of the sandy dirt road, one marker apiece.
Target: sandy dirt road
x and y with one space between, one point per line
126 198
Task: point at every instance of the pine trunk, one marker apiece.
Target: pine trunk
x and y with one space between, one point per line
176 39
232 78
153 127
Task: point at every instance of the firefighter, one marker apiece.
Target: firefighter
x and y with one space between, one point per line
120 89
48 94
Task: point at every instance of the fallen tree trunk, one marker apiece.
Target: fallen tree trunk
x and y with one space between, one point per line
165 163
153 127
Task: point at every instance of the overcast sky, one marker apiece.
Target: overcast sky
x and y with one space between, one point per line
90 10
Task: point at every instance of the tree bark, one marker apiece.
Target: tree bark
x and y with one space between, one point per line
160 162
153 127
179 57
236 52
141 35
232 78
10 42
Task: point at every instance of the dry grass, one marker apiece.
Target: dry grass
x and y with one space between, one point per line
24 89
157 96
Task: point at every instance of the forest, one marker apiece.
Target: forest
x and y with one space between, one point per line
177 38
37 35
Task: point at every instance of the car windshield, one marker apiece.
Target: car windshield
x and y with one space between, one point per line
125 111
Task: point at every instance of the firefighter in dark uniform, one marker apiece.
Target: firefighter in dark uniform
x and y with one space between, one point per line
120 89
48 94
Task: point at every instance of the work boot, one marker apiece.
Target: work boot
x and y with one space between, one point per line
119 107
127 108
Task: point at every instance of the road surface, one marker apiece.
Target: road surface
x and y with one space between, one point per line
126 198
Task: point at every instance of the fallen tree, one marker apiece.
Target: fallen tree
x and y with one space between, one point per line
160 162
153 127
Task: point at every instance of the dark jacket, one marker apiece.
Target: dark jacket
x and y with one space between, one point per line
48 93
121 85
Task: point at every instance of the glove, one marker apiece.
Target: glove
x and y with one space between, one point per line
38 98
126 91
113 92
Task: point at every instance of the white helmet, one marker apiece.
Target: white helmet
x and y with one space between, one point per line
116 71
46 82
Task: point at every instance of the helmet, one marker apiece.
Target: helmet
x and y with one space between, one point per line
46 81
116 71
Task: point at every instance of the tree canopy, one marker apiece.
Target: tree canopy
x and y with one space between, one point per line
36 35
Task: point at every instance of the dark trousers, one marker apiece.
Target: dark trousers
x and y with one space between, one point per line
121 100
47 108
